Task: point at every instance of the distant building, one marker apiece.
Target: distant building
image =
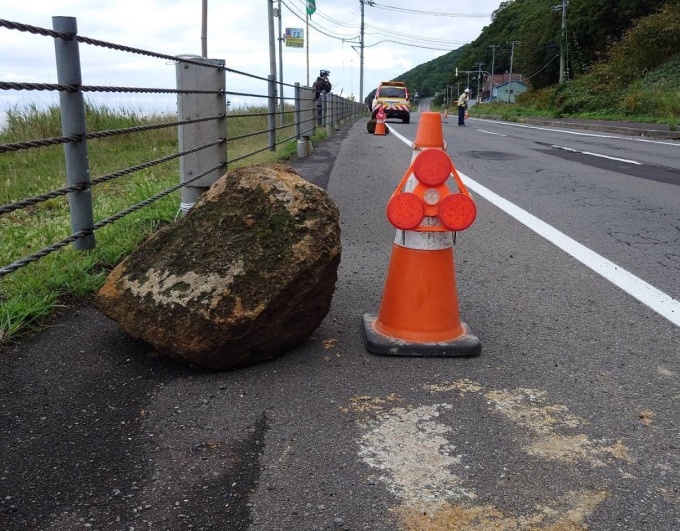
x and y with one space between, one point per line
500 87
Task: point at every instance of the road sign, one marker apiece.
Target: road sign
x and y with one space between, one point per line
295 37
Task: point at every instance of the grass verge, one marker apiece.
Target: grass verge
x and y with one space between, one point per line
30 296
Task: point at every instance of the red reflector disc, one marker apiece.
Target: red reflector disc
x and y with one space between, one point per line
405 211
457 212
432 167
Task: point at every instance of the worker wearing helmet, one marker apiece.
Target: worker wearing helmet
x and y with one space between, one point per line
462 106
321 85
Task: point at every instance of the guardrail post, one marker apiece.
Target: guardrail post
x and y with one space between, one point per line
308 117
328 114
302 141
271 119
336 113
297 114
73 123
192 136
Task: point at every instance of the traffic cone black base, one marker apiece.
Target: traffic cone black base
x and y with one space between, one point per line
465 346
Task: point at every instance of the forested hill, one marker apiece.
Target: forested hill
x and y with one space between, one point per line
593 29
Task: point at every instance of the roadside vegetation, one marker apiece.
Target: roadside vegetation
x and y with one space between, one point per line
30 295
637 80
623 61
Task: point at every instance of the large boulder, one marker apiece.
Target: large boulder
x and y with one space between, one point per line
247 274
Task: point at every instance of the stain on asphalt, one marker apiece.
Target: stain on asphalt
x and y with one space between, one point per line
423 455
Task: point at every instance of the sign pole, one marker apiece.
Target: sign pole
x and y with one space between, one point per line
307 29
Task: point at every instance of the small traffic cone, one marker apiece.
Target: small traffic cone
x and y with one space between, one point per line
380 122
419 313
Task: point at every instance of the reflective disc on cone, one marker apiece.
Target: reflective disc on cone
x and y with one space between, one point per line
432 167
457 212
405 211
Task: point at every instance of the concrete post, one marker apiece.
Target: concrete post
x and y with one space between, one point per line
191 136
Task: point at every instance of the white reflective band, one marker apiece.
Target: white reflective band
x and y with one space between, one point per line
411 183
424 241
185 207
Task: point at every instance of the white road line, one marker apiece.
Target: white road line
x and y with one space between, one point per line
402 138
596 155
657 300
632 139
490 132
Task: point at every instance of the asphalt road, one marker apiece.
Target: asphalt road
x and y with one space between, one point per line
567 420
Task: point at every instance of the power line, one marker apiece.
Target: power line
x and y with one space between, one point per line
417 38
415 41
319 28
429 13
542 68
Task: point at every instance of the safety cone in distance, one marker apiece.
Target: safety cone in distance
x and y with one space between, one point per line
419 313
380 122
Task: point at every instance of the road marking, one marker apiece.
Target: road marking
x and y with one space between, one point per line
657 300
572 150
490 132
632 139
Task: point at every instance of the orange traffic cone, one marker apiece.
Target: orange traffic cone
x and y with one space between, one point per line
419 313
430 133
380 122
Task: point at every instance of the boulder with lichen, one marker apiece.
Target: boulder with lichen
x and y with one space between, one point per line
245 276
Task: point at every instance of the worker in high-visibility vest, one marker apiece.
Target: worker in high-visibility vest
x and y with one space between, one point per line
462 106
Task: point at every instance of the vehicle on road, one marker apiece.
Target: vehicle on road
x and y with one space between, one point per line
393 97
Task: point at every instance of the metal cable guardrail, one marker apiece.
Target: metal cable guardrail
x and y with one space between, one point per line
199 93
98 134
18 264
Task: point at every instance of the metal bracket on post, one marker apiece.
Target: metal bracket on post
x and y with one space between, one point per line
192 136
73 123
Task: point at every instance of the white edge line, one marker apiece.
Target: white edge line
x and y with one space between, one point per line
657 300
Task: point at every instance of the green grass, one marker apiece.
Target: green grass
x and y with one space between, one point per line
30 296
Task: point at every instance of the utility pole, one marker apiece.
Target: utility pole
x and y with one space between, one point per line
512 55
307 43
564 46
493 66
479 78
361 55
564 40
361 47
272 39
282 118
272 46
204 28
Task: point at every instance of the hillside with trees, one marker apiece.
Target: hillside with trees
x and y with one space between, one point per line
620 56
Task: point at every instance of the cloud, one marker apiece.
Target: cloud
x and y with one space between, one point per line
238 32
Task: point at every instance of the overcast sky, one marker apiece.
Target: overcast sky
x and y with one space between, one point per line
238 32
